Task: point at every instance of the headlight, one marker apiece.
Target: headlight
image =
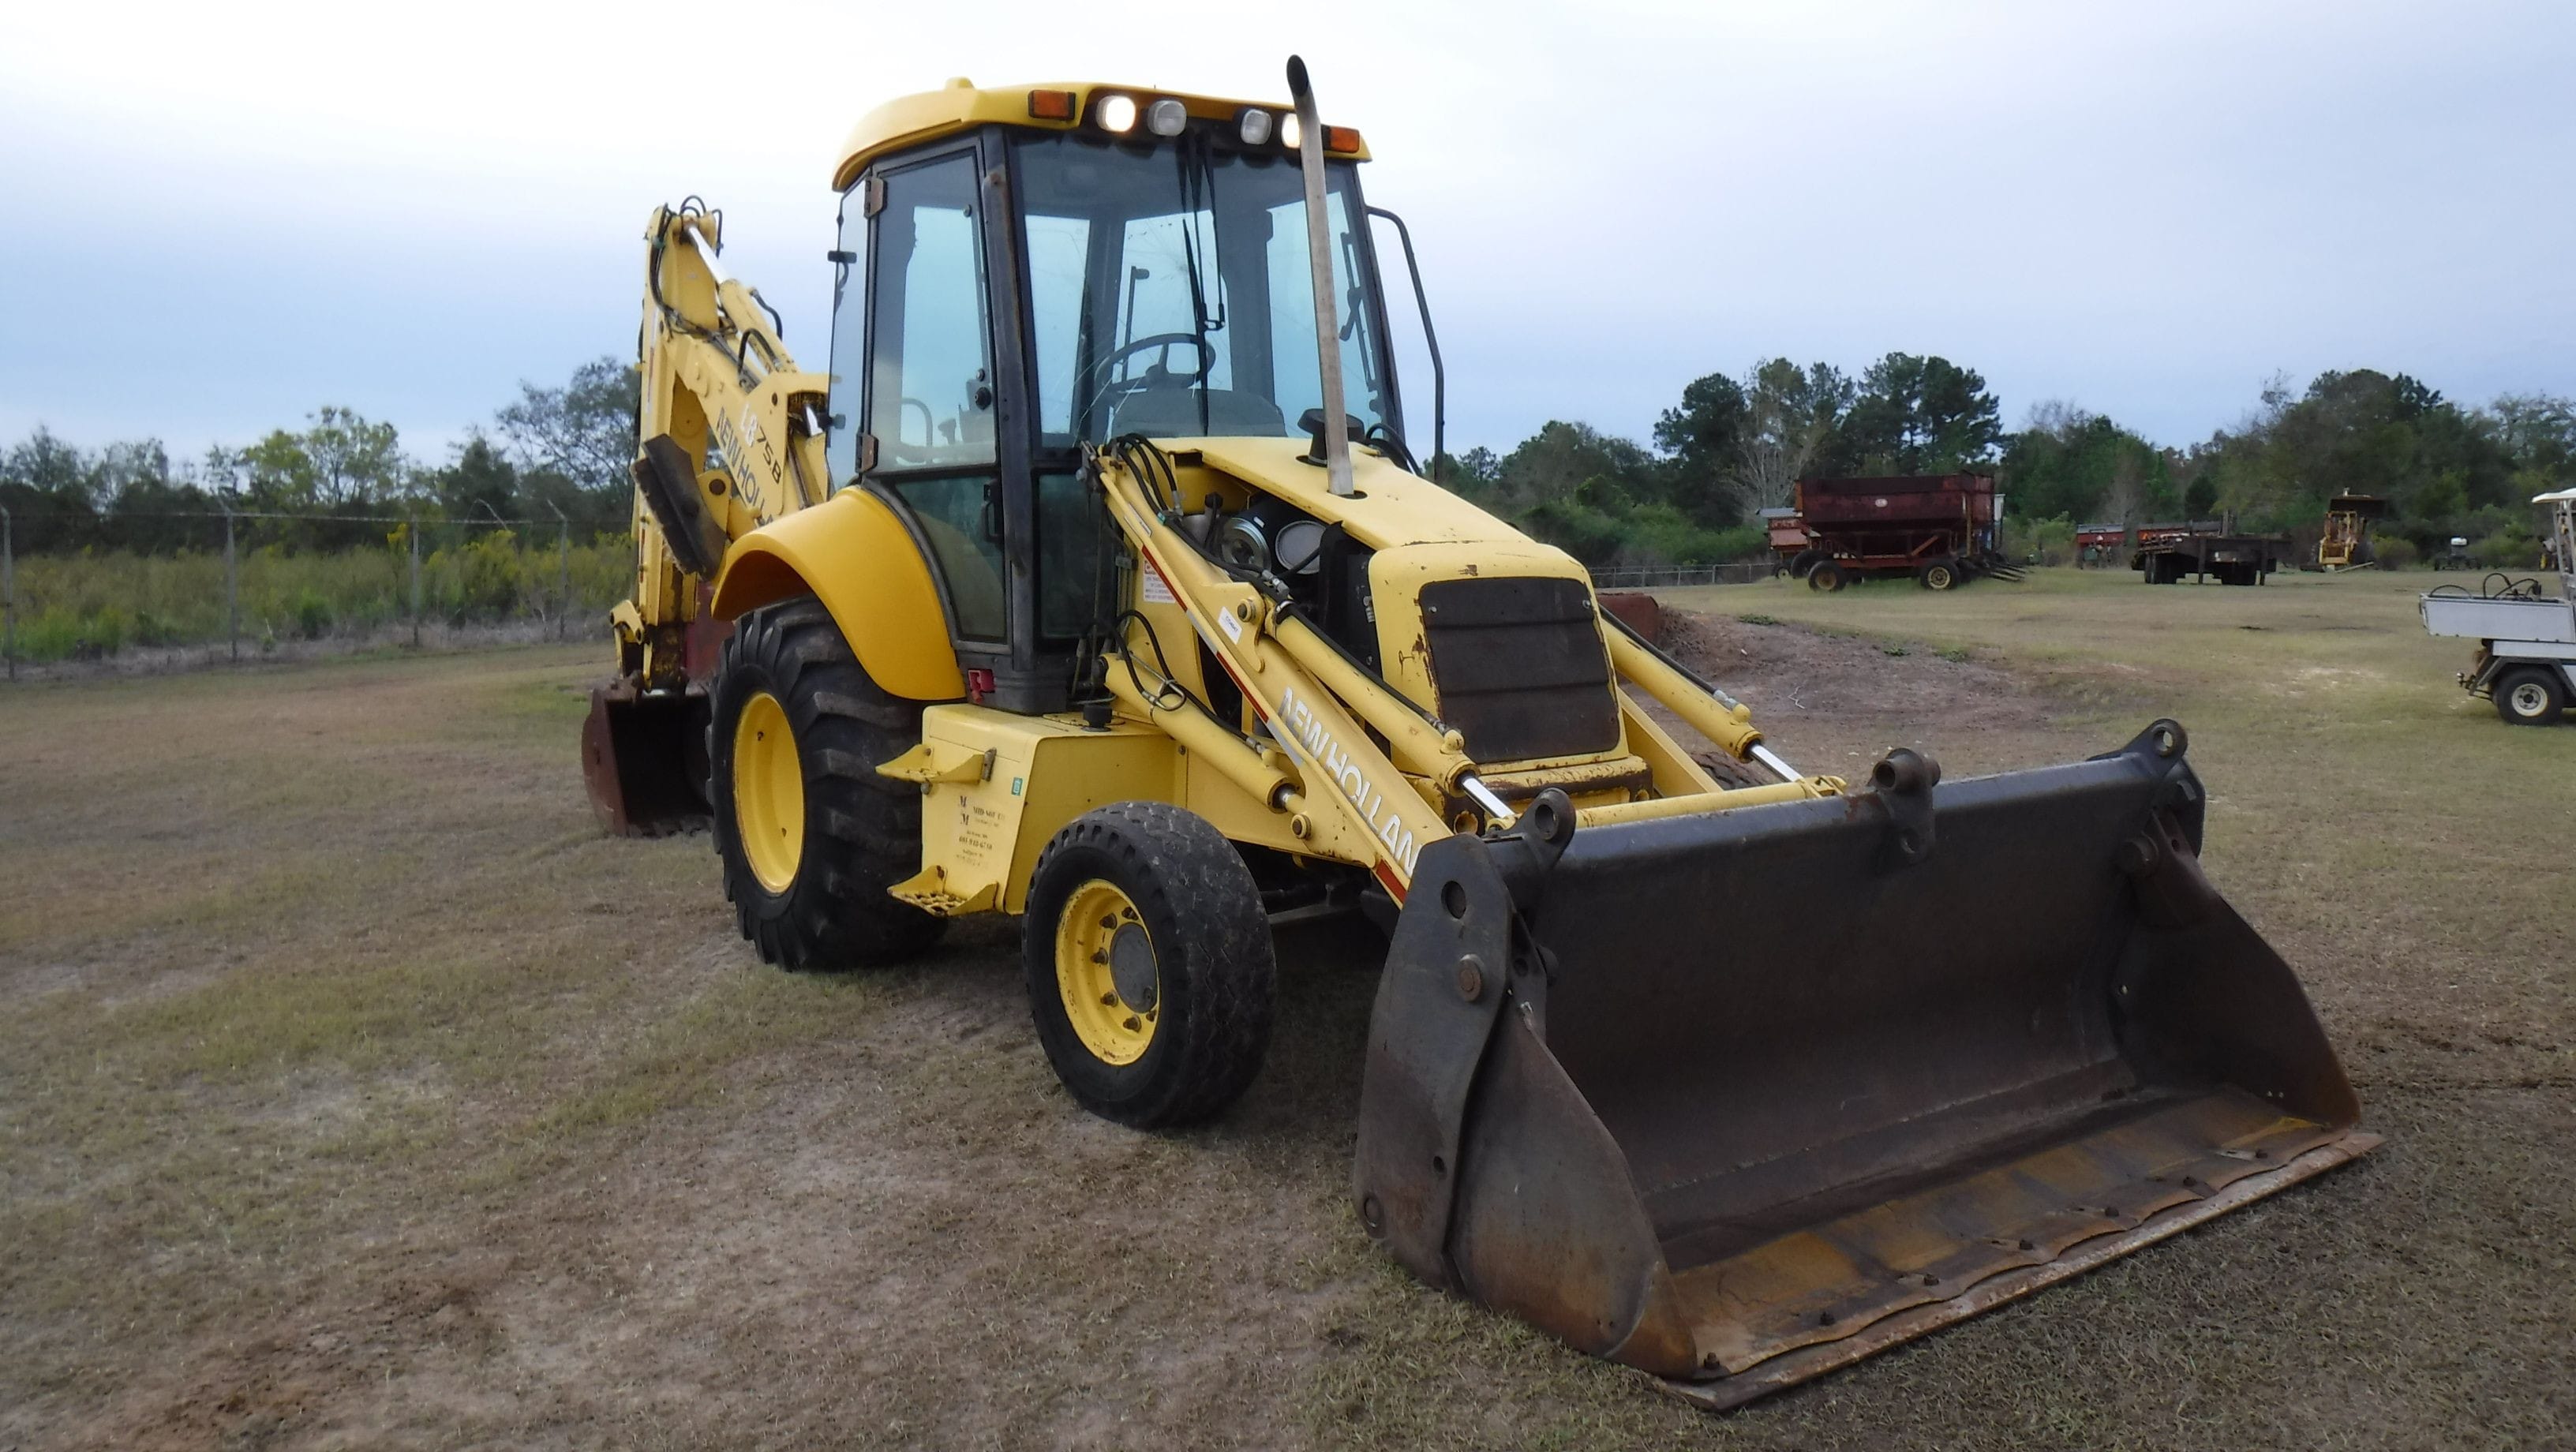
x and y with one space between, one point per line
1253 126
1166 117
1290 134
1116 113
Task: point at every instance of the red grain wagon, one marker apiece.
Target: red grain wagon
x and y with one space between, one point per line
1942 529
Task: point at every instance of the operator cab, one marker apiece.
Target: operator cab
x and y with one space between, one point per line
1025 272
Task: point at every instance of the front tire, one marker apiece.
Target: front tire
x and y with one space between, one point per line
1939 575
810 836
2531 697
1149 967
1826 575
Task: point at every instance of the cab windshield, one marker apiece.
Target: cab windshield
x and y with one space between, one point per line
1170 293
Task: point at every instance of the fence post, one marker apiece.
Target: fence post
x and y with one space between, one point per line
232 585
411 528
563 567
8 593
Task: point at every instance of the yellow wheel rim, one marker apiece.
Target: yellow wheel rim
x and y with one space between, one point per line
768 792
1106 971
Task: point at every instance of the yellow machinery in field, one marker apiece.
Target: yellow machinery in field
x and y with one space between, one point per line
2345 544
1097 583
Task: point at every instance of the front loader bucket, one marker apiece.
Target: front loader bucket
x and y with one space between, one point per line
644 758
1741 1097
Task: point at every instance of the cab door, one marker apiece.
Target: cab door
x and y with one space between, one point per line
929 441
942 432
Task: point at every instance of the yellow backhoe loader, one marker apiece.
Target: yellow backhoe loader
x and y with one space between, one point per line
1098 583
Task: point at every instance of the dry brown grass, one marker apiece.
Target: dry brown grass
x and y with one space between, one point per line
353 1092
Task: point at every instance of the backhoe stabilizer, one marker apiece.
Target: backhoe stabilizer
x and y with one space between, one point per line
1740 1097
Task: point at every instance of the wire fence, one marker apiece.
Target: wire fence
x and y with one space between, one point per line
230 585
1656 577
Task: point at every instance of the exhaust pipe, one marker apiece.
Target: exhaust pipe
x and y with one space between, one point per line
1319 261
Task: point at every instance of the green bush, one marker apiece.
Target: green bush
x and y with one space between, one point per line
2051 541
2396 553
106 632
2507 550
1598 526
56 633
50 635
150 629
313 614
1588 534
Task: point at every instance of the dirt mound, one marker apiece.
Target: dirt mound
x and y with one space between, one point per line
1827 701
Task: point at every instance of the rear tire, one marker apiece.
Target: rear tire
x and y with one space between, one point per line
2531 697
1149 966
810 836
1826 575
1804 562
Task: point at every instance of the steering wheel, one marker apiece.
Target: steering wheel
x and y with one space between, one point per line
1134 346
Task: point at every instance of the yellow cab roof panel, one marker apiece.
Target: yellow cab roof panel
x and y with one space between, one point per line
961 105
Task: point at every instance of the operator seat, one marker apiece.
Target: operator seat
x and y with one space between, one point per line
1173 412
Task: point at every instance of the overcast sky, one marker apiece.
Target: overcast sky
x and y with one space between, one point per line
223 215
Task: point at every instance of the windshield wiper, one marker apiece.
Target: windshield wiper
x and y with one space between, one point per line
1198 192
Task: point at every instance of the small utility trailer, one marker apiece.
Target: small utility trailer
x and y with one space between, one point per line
2099 544
2526 660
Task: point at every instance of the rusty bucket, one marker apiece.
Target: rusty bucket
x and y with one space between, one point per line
1743 1097
644 758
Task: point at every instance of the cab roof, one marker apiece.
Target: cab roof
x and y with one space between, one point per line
962 105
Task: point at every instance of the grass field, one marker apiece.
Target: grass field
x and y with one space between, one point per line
355 1092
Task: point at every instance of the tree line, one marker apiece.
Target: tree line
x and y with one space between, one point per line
552 449
1728 448
1734 445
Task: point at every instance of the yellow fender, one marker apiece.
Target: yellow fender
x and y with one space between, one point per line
854 555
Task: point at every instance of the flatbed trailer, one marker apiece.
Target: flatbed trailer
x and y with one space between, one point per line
2206 548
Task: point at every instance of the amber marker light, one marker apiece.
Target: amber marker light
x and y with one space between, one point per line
1051 105
1341 138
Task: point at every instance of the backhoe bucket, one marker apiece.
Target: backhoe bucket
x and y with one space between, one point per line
1742 1097
644 758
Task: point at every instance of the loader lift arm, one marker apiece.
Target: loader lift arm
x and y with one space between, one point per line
1320 765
